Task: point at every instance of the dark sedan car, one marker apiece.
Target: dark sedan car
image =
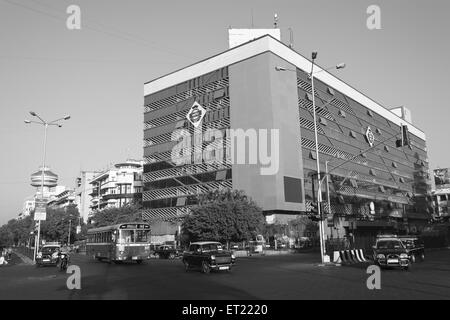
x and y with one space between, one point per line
166 252
415 247
208 256
46 255
391 252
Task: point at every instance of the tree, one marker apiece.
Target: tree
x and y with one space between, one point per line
56 227
223 216
111 216
16 232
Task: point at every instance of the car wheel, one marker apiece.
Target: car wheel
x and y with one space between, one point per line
205 267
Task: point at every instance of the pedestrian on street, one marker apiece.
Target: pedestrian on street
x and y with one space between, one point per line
3 261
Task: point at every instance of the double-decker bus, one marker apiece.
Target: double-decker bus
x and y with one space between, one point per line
120 242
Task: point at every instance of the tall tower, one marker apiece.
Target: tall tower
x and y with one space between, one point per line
50 181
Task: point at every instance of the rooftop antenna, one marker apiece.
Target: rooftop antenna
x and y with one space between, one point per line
253 26
275 21
291 38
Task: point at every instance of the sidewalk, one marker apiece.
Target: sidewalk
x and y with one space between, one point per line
24 258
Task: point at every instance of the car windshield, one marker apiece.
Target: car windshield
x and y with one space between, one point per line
390 244
47 250
409 243
134 236
212 247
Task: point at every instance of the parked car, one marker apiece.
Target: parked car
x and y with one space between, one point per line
389 251
207 256
166 252
46 256
415 247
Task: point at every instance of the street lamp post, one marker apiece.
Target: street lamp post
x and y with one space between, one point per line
46 125
70 226
319 192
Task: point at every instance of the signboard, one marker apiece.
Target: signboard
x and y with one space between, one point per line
370 137
40 210
196 114
135 226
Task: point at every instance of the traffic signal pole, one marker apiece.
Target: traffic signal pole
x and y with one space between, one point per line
327 171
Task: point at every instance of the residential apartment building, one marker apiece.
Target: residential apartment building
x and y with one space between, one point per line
117 186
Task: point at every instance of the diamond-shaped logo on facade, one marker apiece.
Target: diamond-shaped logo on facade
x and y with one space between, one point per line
196 114
370 137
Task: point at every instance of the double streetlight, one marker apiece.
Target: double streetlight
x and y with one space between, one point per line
319 192
46 124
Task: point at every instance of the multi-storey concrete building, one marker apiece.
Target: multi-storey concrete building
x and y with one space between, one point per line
62 199
83 193
117 186
243 88
441 193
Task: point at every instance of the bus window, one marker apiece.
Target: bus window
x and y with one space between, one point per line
142 236
126 236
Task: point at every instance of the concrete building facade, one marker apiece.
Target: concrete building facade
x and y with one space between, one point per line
243 89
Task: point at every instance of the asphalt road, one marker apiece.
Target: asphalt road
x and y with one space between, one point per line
276 277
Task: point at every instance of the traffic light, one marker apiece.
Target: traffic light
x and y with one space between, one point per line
404 140
314 216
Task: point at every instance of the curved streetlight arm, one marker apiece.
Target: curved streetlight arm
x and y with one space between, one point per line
37 116
60 119
30 121
354 157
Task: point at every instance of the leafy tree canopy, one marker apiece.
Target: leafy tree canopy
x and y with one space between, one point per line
111 216
227 215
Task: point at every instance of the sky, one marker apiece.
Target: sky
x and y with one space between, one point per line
96 74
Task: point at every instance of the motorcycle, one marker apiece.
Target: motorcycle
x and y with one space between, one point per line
63 261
